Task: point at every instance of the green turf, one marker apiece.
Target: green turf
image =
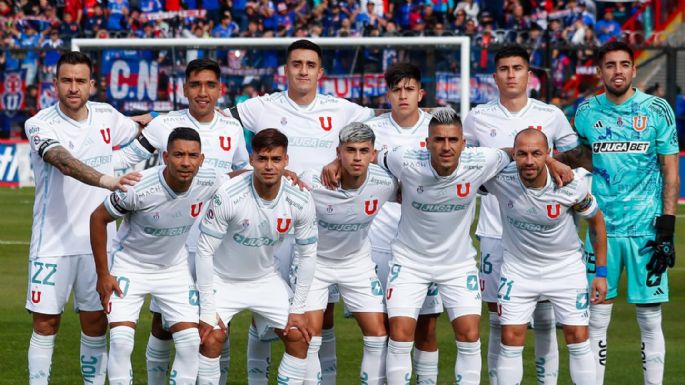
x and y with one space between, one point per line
624 362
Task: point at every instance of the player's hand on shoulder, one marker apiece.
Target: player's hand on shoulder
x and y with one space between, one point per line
561 173
142 120
330 174
296 181
106 285
113 183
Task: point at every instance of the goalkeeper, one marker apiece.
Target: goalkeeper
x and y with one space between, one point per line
635 180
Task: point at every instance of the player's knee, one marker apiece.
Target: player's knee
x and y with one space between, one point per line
93 323
513 336
576 334
213 344
46 324
158 328
470 335
295 344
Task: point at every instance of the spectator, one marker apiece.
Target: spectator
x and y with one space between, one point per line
8 60
30 40
227 27
69 28
5 10
333 20
350 8
517 20
75 9
621 13
459 24
378 7
212 7
149 6
471 28
470 7
52 47
607 28
588 16
429 17
95 22
369 18
285 20
237 9
117 10
251 13
253 29
267 12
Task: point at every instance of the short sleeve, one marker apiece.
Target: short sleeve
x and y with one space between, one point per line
391 160
564 137
586 204
249 111
120 203
240 156
124 129
496 160
306 231
358 113
156 134
41 137
470 130
581 122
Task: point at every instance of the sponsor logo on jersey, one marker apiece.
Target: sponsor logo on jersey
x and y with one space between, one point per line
167 232
283 225
620 147
253 242
639 123
370 206
106 135
195 209
225 143
302 141
379 181
437 207
326 123
463 190
345 227
553 211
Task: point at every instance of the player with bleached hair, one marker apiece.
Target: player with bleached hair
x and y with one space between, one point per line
542 256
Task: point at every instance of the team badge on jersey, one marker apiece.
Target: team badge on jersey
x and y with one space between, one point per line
284 121
493 133
463 190
106 135
195 209
553 211
245 224
422 144
639 123
283 225
35 296
225 143
419 189
619 122
326 123
370 206
329 209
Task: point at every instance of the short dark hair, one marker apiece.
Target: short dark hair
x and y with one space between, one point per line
73 58
513 50
400 71
269 139
614 46
203 64
183 133
305 44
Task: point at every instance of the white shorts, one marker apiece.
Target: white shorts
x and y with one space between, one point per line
566 288
51 280
431 305
356 280
457 286
173 288
268 297
154 307
491 252
287 266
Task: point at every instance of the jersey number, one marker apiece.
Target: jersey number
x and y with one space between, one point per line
485 266
502 283
50 270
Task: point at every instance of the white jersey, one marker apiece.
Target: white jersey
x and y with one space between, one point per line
437 211
312 130
389 135
157 220
241 232
345 216
539 229
62 204
223 143
492 125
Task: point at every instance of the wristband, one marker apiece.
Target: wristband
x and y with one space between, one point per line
601 271
154 114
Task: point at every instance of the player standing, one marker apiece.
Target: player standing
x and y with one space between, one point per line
224 149
634 146
150 257
344 253
542 256
439 187
236 270
311 121
71 150
495 124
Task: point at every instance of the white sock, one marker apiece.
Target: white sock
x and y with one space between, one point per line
600 316
653 344
258 358
225 361
398 362
93 359
292 370
208 372
120 348
373 360
40 358
313 373
157 354
546 350
467 368
510 365
327 356
494 341
426 367
187 360
581 364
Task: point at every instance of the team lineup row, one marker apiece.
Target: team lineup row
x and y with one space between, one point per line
250 239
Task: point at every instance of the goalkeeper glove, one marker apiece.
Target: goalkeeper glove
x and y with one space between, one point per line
662 245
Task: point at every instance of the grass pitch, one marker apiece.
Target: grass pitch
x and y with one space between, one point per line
624 359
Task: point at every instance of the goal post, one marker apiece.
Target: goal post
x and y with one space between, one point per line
460 42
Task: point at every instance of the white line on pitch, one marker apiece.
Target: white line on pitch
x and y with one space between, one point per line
2 242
